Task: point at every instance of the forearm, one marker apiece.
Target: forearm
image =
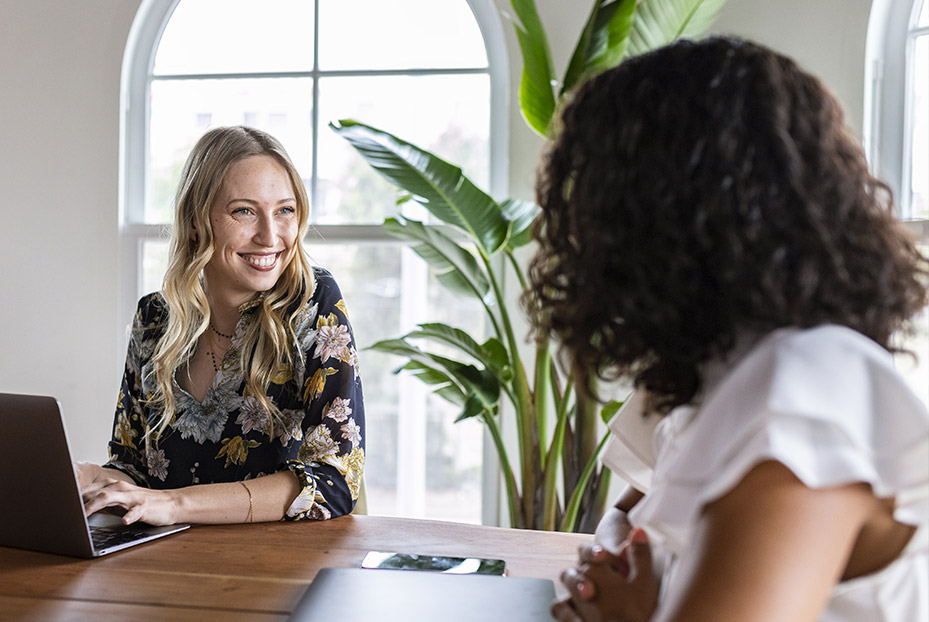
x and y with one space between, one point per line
256 500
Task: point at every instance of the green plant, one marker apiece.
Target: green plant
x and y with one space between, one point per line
476 247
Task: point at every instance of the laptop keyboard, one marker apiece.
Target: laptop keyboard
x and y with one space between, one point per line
105 537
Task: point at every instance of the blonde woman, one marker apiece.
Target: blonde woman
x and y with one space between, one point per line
241 400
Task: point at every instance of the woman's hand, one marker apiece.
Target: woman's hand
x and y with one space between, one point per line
101 492
89 473
606 587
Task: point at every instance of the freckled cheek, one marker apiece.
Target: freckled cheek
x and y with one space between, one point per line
289 236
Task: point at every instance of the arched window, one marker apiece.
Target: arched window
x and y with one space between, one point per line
897 131
897 101
434 73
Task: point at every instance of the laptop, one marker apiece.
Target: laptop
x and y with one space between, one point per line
361 595
42 508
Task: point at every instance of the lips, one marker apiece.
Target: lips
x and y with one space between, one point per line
261 261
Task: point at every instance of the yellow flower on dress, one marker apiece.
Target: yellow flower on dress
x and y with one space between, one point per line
341 307
354 465
236 450
283 375
318 445
317 383
123 433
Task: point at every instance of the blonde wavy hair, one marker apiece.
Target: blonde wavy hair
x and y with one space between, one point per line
267 344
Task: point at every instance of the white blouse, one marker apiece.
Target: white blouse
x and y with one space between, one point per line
827 403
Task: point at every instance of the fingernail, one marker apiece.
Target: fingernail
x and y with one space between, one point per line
584 588
638 535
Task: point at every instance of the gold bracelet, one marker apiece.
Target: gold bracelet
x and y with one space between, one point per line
250 506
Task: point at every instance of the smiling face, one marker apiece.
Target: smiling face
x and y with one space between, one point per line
254 221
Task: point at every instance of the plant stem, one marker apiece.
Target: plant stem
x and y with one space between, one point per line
550 473
512 492
574 503
529 453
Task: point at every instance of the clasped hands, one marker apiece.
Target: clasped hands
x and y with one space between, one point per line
607 587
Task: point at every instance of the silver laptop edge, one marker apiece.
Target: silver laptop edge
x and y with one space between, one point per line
38 473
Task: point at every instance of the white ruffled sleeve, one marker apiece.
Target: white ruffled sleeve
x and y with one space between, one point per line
825 402
630 452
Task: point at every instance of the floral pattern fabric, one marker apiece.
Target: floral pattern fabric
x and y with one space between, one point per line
229 437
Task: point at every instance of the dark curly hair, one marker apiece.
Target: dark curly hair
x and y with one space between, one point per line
701 190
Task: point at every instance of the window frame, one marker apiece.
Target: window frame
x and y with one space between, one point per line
887 128
137 75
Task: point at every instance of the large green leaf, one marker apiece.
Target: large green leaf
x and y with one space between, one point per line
491 356
471 408
441 383
660 23
603 41
480 383
536 94
521 215
434 183
453 265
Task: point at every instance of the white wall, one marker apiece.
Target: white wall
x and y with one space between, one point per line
60 68
60 73
827 38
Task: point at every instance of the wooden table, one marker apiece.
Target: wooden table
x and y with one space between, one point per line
248 572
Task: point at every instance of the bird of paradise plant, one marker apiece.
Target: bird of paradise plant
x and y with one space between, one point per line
476 246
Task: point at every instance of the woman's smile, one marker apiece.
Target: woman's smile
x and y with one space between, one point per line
261 261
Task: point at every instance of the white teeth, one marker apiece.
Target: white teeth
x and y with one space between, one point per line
263 261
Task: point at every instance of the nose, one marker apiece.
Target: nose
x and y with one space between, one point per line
266 231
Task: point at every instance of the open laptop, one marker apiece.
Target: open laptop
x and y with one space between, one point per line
42 507
360 595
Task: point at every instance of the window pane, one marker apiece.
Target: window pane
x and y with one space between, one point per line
448 115
154 265
916 371
400 34
182 110
415 451
924 16
237 36
919 172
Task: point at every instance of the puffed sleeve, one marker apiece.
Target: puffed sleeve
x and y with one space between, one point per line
330 462
127 447
825 402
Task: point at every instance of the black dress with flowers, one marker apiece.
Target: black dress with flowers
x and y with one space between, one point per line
228 437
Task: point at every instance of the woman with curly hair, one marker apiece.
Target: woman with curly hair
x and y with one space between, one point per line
710 231
241 399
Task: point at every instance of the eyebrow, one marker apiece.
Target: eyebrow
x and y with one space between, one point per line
253 202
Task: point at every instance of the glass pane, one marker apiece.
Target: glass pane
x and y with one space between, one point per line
154 265
916 371
237 36
400 34
448 115
182 110
415 451
924 16
919 162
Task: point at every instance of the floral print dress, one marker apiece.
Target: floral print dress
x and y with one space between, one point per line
228 437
